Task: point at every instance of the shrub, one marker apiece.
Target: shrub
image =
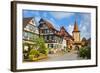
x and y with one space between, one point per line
31 57
33 53
43 50
88 52
85 52
82 52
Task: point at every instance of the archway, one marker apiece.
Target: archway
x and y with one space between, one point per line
77 47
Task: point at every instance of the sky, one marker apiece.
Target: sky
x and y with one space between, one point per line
66 19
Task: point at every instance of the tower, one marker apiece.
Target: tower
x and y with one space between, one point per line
76 33
76 36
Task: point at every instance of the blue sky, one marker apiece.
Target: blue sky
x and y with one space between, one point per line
66 19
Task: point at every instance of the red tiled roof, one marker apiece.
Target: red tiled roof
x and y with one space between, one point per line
65 33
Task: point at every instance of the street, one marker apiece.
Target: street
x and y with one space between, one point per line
62 57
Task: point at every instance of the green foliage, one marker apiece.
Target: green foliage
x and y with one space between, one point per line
88 52
38 49
40 43
85 52
31 57
82 52
34 52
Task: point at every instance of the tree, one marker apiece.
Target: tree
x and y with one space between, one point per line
85 52
40 43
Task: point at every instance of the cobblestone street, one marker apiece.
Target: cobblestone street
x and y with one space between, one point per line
62 57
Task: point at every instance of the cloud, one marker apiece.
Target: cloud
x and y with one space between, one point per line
85 26
45 14
54 23
37 19
55 17
70 29
60 15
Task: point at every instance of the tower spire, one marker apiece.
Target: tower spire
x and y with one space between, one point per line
75 25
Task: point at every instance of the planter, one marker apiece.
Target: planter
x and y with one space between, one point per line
42 56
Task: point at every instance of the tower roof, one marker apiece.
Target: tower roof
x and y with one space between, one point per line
76 27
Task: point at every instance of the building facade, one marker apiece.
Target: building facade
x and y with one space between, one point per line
54 39
30 32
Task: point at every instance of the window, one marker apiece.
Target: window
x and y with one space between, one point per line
31 28
48 31
50 45
29 36
41 31
52 38
44 26
47 37
25 35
